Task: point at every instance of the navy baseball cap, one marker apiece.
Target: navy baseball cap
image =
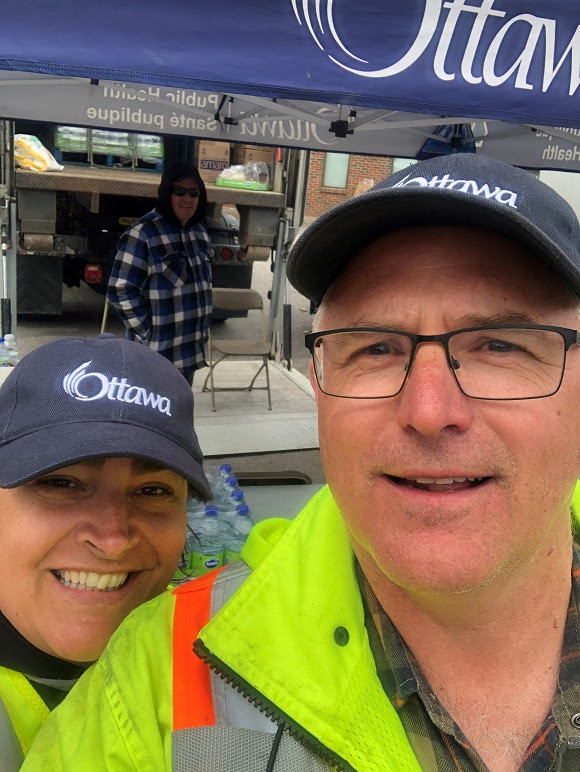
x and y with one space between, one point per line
461 189
74 400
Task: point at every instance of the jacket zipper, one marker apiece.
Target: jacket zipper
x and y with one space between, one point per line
266 707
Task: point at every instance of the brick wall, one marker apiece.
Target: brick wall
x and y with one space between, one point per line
319 199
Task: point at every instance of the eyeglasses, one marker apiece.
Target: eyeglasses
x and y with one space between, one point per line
177 190
520 362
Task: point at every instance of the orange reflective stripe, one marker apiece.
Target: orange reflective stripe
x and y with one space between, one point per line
192 698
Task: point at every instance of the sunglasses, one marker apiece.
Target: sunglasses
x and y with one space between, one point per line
177 190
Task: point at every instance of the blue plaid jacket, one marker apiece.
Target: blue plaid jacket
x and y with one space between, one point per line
161 287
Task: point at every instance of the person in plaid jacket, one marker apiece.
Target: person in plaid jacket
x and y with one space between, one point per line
160 283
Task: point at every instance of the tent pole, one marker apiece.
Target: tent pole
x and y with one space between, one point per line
279 320
7 225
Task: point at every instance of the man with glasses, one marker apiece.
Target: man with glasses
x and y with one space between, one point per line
160 283
422 612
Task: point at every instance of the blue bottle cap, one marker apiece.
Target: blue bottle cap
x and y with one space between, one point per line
211 510
243 509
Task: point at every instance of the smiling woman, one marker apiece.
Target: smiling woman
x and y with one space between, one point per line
91 542
93 493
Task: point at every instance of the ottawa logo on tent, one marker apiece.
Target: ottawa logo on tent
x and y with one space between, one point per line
468 43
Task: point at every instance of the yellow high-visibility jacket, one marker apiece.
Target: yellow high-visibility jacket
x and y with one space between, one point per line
291 639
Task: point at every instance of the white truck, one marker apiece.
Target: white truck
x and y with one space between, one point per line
68 223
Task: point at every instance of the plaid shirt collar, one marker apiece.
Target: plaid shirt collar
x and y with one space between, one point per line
402 677
397 668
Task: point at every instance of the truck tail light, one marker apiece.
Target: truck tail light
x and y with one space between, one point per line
93 273
227 253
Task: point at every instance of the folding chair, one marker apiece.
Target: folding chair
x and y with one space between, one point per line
105 316
238 300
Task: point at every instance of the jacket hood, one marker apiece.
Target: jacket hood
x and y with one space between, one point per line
174 172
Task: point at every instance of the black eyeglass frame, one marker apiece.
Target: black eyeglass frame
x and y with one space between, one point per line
177 190
571 337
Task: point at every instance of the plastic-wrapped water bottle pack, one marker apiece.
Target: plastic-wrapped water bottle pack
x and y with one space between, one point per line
217 531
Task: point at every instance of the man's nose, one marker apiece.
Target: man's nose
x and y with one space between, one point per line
431 400
109 528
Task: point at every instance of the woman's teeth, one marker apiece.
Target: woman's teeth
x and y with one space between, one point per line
89 580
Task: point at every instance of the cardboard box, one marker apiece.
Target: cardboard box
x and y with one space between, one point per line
248 185
363 185
211 158
243 154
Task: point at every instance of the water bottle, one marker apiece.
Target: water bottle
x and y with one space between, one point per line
224 471
227 507
223 487
210 510
208 551
3 354
195 511
215 474
226 483
237 533
242 522
182 572
232 548
196 518
10 343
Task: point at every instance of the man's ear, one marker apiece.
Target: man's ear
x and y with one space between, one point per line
313 381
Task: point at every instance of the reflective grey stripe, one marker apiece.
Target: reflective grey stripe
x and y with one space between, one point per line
241 740
226 584
55 683
230 707
231 749
11 756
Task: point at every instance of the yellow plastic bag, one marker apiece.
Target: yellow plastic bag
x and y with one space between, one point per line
30 153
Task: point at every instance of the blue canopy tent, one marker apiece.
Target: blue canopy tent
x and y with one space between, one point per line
368 77
498 76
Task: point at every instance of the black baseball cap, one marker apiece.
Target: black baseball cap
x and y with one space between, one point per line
76 399
461 189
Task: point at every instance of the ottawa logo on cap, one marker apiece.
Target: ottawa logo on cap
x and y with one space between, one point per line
472 187
90 386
